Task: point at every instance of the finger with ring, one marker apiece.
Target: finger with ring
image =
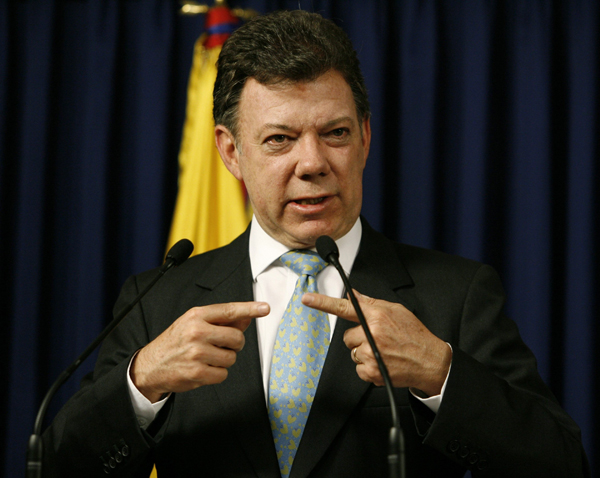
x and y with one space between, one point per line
354 357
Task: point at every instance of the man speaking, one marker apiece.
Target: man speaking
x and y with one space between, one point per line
247 361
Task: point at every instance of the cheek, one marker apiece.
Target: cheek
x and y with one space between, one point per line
352 181
265 193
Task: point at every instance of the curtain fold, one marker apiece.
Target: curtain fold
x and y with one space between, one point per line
485 144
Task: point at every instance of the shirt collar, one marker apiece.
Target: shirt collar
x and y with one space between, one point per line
264 250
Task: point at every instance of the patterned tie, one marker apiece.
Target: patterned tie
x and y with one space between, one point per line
298 357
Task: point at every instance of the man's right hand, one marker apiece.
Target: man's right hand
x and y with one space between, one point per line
197 349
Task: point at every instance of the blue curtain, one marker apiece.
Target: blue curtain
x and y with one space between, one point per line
485 126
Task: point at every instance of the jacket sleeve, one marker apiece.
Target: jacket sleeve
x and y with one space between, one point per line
497 417
96 433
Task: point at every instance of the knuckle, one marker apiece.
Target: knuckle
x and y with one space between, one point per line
199 355
239 340
360 370
232 338
343 307
206 374
352 336
199 372
190 314
229 311
348 307
346 339
194 315
377 328
378 315
372 373
230 358
197 330
220 374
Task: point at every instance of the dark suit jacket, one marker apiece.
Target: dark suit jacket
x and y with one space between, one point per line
497 417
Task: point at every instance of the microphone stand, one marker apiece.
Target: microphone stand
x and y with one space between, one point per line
327 249
176 255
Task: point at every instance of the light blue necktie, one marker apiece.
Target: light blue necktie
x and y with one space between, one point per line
298 357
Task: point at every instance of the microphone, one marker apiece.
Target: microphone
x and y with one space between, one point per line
328 250
176 256
178 253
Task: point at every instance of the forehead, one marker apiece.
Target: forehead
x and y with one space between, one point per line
306 102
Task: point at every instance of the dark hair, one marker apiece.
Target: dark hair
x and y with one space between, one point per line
285 46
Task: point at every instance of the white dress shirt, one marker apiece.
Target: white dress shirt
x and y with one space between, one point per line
274 283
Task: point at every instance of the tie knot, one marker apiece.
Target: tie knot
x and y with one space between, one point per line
303 262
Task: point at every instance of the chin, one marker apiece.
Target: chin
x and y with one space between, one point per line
308 235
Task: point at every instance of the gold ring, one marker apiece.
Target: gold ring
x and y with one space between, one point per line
354 357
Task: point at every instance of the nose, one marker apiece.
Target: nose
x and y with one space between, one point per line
312 158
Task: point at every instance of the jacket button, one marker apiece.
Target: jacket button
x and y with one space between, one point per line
482 465
453 446
473 458
118 455
464 452
125 450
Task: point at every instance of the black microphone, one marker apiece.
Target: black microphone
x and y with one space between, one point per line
328 250
176 255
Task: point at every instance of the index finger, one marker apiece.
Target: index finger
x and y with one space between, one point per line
232 312
341 307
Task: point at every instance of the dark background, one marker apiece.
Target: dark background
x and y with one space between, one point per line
485 122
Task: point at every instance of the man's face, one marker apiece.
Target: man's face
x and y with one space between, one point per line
301 157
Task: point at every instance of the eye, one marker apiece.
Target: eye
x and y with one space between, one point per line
338 135
339 132
277 139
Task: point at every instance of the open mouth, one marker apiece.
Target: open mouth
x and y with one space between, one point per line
309 201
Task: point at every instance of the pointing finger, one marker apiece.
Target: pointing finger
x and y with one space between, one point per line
232 312
340 307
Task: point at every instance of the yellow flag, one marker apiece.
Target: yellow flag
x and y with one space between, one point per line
211 206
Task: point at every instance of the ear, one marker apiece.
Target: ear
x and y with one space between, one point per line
366 136
228 150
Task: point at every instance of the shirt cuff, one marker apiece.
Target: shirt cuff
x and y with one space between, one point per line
145 411
434 402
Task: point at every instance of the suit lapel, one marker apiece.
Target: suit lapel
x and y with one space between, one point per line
231 282
250 413
378 273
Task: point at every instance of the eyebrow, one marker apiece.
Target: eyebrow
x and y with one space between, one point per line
271 126
341 119
276 126
284 127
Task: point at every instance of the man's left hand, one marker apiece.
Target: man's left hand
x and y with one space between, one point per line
413 355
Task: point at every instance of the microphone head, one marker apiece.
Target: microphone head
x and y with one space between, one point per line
326 247
180 251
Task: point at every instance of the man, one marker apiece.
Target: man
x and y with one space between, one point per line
190 380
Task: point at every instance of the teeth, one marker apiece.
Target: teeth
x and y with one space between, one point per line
310 201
